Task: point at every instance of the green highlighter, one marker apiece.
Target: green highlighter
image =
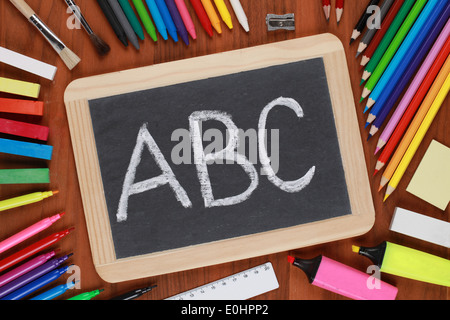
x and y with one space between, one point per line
134 22
145 18
87 295
408 263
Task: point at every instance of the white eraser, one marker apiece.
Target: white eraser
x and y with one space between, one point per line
421 227
27 64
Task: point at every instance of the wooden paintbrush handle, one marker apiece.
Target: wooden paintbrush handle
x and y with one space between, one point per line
23 7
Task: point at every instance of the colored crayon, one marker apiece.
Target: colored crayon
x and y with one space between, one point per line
212 15
224 13
145 18
24 129
113 21
176 17
132 19
26 149
123 20
187 19
157 18
167 18
202 16
240 14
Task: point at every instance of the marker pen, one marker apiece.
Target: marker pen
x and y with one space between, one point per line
344 280
408 263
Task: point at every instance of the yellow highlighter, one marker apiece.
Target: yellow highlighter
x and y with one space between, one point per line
408 263
224 13
25 200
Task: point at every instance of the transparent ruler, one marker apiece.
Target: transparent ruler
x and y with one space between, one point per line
240 286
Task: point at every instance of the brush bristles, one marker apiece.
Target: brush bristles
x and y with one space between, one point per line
69 58
101 46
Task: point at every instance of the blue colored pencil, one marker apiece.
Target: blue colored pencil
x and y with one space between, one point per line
179 24
413 40
26 149
168 21
157 18
386 102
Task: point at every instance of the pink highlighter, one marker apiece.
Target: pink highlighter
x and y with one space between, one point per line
344 280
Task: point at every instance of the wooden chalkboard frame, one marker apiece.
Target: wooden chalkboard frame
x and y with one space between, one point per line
80 91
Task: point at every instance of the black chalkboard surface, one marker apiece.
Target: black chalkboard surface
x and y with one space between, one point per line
156 221
219 158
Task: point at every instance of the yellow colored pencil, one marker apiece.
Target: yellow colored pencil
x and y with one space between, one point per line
224 13
212 15
415 124
418 138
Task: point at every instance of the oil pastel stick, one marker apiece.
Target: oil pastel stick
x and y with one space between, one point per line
408 263
339 278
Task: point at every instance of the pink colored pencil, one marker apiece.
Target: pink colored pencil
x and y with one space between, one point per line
28 232
442 43
26 267
186 17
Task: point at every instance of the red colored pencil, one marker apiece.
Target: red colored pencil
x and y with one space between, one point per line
370 50
339 10
410 112
326 5
23 129
202 16
33 249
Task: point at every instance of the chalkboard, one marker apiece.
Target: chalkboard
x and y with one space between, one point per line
224 158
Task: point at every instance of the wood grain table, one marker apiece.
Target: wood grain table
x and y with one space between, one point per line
17 34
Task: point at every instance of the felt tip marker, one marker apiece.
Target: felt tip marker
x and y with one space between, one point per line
25 200
336 277
134 294
408 263
87 295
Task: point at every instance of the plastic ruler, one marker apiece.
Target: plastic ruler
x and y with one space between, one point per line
240 286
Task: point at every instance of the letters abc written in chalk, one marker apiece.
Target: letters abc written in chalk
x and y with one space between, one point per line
201 160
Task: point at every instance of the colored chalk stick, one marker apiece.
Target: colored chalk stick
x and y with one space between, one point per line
24 129
34 108
24 176
26 149
22 88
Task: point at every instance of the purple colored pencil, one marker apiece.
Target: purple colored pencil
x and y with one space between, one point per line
179 24
378 119
32 275
25 268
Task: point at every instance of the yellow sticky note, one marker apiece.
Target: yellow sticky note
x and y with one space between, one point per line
21 88
431 182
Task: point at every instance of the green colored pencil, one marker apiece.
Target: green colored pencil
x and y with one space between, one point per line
393 47
387 39
145 18
134 22
87 295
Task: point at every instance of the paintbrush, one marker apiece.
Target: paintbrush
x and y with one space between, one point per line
69 58
101 46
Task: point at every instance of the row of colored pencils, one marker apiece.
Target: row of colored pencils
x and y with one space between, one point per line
406 61
326 5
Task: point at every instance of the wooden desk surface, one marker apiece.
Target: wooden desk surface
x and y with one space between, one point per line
17 34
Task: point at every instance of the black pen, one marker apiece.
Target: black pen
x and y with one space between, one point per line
134 294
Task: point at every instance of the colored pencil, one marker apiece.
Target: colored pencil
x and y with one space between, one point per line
33 249
412 129
411 44
26 267
24 129
368 36
132 19
339 10
123 20
387 39
179 24
212 15
202 16
70 58
379 35
167 18
224 13
159 22
418 138
240 14
406 71
113 21
26 107
145 18
326 5
419 86
187 19
362 21
390 52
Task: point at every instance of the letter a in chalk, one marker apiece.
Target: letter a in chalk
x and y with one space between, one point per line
287 186
229 153
167 177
